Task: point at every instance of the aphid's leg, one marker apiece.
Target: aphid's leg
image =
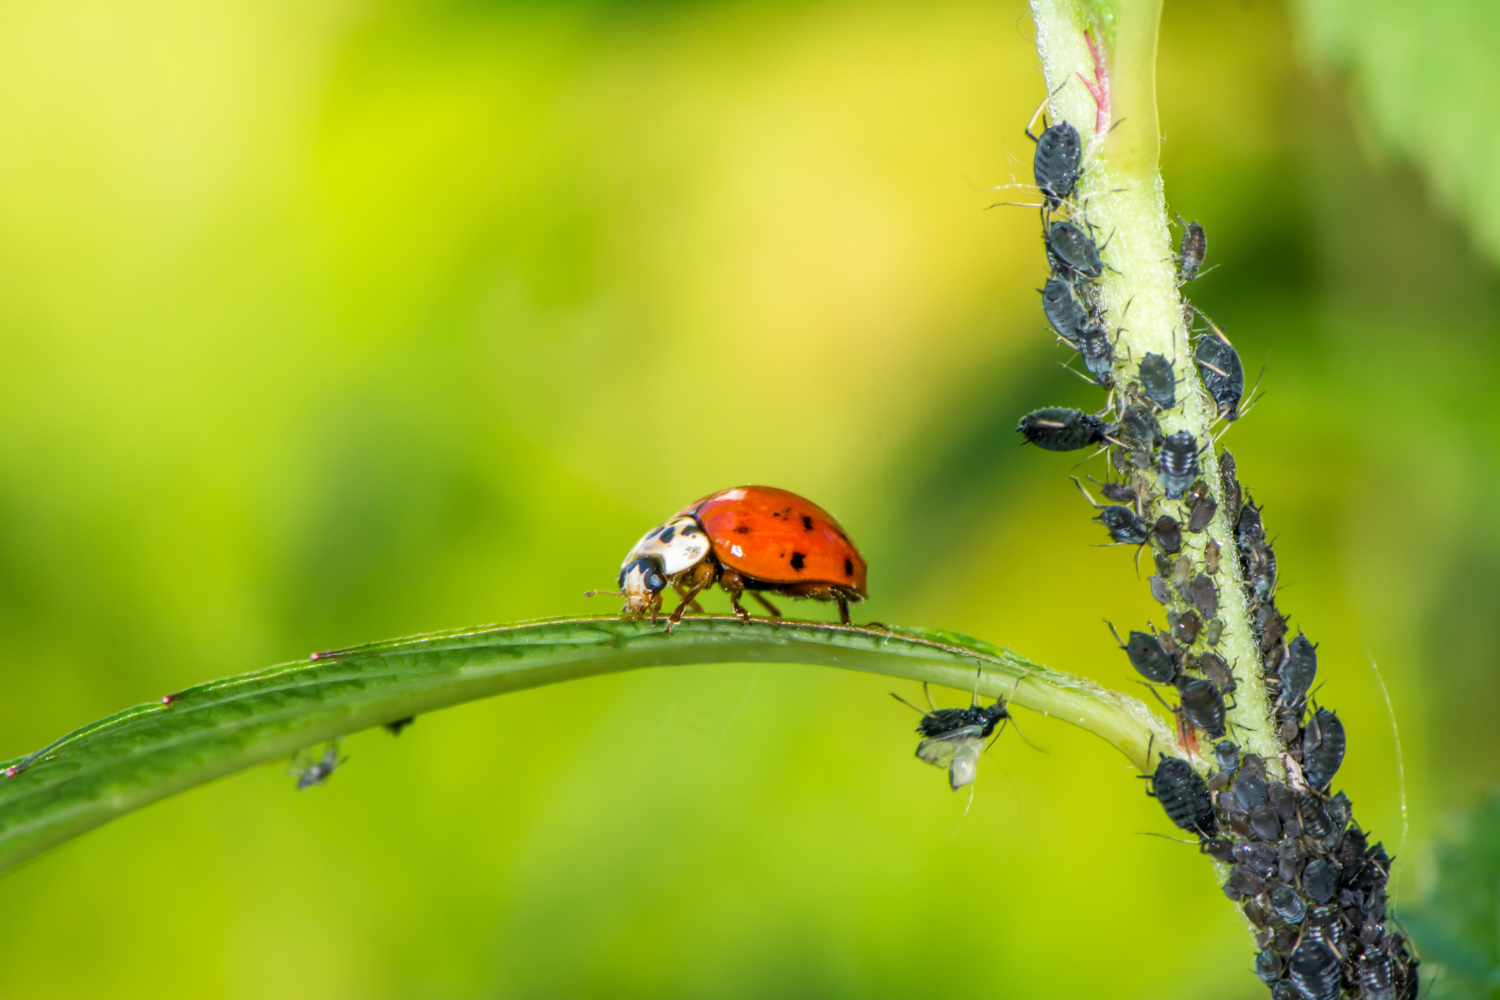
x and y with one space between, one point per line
1084 490
974 698
927 690
770 608
907 703
844 610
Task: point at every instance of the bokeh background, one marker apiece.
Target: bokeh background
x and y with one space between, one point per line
337 320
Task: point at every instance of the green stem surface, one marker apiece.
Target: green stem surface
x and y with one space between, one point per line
148 752
1120 197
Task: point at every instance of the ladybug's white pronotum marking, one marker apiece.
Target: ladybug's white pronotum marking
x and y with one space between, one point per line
664 553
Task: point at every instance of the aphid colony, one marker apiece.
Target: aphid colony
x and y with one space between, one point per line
1305 874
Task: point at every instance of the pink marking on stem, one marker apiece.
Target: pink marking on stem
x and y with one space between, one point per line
167 699
1099 89
11 772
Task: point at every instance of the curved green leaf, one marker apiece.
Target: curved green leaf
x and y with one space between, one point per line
145 753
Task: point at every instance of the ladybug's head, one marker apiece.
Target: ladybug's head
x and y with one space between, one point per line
642 579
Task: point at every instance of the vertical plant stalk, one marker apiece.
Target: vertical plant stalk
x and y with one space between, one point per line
1120 195
1308 880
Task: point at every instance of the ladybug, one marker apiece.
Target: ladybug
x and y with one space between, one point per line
750 538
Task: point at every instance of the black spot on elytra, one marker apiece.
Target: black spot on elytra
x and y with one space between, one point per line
796 560
806 523
743 529
666 536
848 567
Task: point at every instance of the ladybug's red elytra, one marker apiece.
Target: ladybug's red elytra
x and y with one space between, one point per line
750 538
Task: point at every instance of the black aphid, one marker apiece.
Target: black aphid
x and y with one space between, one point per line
954 737
1148 657
1227 755
1217 671
1260 570
310 770
1211 557
1065 311
1250 789
1322 748
1201 506
1243 882
1232 494
1249 530
1320 880
1203 704
1059 429
1314 970
1375 975
1183 793
1158 381
1258 857
394 728
1118 492
1288 905
1314 817
1194 249
1178 465
1289 858
1098 354
1055 166
1073 250
1298 671
1280 798
1268 966
1283 989
1123 525
1223 375
1205 596
1168 533
1185 627
1160 590
1139 427
1264 823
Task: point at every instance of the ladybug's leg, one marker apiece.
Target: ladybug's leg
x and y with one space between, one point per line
699 576
844 610
765 603
734 586
687 599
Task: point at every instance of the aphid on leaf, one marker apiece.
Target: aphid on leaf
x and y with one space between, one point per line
310 770
1288 905
1065 311
1168 533
1211 557
1059 429
1059 152
1158 380
1073 251
1201 506
1223 374
1098 354
1227 754
1183 793
954 737
1298 671
1178 464
1194 249
1203 704
1139 428
1205 595
750 538
1217 671
1314 970
1147 656
1230 482
394 728
1322 748
1123 525
1268 966
1119 493
1185 627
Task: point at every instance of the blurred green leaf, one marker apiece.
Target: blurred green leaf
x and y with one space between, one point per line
145 753
1429 85
1458 924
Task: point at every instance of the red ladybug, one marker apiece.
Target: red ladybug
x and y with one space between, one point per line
751 538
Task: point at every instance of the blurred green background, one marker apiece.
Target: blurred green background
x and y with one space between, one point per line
323 322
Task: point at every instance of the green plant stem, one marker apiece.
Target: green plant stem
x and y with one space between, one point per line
146 753
1120 196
